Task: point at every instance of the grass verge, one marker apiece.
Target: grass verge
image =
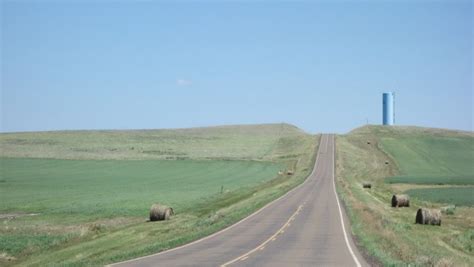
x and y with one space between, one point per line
390 235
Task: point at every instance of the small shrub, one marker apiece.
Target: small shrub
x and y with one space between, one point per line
448 210
96 228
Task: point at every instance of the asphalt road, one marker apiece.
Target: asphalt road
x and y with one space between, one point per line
302 228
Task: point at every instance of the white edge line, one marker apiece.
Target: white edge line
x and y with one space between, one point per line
340 210
233 225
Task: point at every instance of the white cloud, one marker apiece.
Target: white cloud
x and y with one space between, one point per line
183 82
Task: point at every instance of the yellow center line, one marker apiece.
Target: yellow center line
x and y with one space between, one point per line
262 246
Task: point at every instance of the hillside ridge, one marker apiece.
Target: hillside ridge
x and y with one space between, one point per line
210 127
408 129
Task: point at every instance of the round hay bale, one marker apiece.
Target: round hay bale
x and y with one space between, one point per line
280 172
386 162
400 201
290 172
428 216
366 185
160 212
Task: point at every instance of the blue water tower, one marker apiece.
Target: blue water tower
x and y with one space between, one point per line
388 108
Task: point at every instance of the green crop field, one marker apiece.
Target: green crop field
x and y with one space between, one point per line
436 160
82 198
434 167
433 156
125 188
434 180
83 191
459 196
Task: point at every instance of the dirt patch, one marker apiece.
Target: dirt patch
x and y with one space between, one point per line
4 257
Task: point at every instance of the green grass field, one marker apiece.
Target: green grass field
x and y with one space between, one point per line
433 156
81 198
120 188
459 196
244 142
85 190
433 180
436 160
434 166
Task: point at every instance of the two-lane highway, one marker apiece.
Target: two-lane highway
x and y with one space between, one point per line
305 227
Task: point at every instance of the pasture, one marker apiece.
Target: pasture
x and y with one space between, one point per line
82 198
110 188
72 192
431 180
239 142
459 196
434 160
441 158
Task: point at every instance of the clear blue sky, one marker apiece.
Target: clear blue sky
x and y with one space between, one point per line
319 65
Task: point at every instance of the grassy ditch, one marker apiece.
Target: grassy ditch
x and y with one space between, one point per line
390 235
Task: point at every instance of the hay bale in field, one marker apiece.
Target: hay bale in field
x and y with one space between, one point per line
386 162
160 212
280 172
366 185
449 210
400 201
290 172
368 142
428 216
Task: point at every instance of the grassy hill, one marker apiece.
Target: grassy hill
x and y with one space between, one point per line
433 166
245 142
82 197
431 158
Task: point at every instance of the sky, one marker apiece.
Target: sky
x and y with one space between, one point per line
320 65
